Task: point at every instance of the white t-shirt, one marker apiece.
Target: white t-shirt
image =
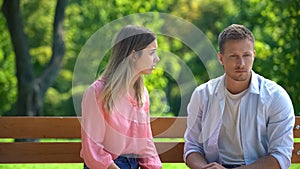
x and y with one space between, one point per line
230 142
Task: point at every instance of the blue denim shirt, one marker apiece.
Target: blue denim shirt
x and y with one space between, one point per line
267 120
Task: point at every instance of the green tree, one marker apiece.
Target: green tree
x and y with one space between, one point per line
8 82
96 14
276 25
32 88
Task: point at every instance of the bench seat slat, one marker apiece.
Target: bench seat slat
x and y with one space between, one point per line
295 155
68 152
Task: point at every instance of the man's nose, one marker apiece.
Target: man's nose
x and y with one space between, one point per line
241 61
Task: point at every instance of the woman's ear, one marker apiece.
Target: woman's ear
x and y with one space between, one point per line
133 55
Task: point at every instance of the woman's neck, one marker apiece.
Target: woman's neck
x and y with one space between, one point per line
132 91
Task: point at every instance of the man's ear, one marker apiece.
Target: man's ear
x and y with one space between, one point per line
220 58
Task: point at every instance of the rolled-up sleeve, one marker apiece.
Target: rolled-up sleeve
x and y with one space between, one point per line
92 132
280 129
151 162
193 131
150 159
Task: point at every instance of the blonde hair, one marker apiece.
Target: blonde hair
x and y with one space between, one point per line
119 70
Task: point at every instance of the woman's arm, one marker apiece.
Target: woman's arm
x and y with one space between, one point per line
93 132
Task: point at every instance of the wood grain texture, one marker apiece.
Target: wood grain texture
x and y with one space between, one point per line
69 127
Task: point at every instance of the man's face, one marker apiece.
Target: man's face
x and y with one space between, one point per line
237 59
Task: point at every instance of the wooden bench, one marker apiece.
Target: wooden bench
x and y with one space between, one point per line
69 128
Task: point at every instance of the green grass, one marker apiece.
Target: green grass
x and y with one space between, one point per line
73 166
41 166
80 166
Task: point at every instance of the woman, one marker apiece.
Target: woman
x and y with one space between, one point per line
116 129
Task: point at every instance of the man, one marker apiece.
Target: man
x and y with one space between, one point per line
239 120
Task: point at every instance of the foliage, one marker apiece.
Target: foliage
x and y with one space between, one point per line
8 80
274 23
276 27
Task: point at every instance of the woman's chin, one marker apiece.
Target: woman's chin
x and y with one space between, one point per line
147 72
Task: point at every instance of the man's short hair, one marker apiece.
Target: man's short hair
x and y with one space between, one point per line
234 32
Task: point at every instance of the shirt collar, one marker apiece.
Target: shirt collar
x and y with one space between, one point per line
254 85
253 88
220 86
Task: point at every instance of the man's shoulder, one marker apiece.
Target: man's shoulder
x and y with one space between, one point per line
268 86
210 85
273 94
214 81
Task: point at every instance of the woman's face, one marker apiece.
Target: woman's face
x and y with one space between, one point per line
146 59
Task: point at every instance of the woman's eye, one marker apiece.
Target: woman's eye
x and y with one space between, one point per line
152 53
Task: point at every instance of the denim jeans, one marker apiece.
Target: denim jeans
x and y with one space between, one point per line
231 166
124 162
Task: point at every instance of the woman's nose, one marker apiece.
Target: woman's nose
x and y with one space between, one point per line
156 58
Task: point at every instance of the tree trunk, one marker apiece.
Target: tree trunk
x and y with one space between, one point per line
31 89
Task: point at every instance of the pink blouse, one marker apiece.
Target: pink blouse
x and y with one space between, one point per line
126 130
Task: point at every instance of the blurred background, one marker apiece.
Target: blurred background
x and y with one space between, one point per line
40 41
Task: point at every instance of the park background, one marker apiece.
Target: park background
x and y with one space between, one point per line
36 72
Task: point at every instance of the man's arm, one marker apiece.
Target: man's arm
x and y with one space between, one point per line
195 160
267 162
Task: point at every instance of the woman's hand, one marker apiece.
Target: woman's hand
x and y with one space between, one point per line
113 166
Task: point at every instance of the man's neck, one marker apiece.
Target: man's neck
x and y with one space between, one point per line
236 87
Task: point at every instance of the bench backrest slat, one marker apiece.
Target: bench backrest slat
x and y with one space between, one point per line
39 127
33 152
69 127
297 127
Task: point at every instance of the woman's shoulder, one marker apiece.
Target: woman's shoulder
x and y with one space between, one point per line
97 86
99 83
